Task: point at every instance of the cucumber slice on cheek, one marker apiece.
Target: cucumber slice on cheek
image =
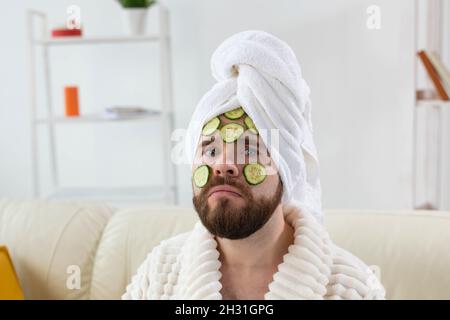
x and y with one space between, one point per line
211 126
201 176
254 173
231 132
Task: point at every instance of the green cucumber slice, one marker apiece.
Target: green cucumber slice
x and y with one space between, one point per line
254 173
235 113
231 132
201 176
250 125
211 126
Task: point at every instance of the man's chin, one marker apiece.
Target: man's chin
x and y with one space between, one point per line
225 202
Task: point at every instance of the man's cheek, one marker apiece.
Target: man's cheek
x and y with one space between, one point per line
265 161
271 170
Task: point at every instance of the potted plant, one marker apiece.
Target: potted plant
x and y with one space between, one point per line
135 14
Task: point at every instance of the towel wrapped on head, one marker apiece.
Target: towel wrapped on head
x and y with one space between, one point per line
260 72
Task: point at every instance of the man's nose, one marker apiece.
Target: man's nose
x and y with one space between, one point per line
225 169
225 165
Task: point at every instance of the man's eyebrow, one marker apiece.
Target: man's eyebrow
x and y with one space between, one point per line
251 141
260 146
247 141
207 141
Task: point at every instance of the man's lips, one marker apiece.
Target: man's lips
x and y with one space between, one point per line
224 190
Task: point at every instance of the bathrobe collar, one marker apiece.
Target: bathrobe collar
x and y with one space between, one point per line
303 274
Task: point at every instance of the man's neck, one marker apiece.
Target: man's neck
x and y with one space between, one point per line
262 250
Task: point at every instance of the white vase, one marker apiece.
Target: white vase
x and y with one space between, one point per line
135 20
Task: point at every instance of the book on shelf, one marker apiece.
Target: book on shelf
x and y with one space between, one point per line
434 75
443 72
128 112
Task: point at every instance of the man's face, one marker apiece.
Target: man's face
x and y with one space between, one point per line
235 182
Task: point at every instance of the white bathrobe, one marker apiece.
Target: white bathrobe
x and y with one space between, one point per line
187 266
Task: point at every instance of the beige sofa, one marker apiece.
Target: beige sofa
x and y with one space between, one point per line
51 242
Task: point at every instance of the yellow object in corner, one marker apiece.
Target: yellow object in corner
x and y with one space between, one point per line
9 283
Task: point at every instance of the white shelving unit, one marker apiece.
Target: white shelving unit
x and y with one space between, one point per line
430 116
430 144
39 40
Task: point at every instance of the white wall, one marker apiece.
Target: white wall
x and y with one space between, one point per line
361 80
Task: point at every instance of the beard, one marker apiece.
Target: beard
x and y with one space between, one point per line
226 220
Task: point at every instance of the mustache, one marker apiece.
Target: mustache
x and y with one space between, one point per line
233 182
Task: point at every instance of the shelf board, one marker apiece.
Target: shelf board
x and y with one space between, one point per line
95 118
432 103
96 40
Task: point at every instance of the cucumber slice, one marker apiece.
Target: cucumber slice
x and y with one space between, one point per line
231 132
250 125
211 126
235 113
254 173
201 176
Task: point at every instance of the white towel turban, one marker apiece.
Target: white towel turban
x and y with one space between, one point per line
260 72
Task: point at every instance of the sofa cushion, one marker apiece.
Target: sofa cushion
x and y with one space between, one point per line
53 244
129 236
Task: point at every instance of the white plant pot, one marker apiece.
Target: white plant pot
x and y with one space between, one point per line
135 20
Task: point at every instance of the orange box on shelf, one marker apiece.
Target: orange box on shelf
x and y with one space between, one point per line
71 97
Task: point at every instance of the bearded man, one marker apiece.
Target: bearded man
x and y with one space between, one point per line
256 189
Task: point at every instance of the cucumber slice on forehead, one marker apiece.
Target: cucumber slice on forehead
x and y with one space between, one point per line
254 173
235 114
211 126
201 176
231 132
250 125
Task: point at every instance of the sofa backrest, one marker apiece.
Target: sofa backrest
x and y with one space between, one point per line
410 248
47 238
